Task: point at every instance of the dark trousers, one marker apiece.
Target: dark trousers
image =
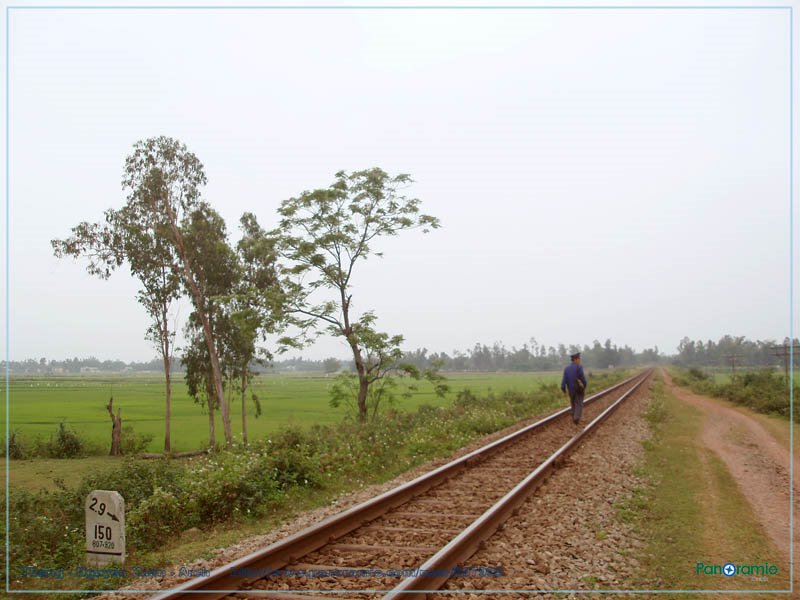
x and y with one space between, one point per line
577 405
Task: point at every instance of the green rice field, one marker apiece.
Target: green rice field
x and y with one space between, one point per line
38 404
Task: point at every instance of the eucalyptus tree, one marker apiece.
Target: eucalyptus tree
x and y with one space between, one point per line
243 299
164 181
197 374
137 240
215 272
324 234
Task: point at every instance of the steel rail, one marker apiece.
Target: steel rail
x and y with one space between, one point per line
226 580
435 571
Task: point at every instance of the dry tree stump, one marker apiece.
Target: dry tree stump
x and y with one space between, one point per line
116 428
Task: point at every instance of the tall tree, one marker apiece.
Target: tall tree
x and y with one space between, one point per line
138 240
164 180
258 306
215 273
327 232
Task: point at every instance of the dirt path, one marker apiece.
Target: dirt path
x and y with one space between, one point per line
757 461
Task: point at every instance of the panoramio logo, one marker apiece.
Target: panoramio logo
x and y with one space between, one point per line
730 569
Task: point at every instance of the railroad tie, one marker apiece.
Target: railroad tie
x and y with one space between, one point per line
375 548
380 528
279 596
416 515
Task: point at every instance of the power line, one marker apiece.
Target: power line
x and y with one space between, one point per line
783 351
732 358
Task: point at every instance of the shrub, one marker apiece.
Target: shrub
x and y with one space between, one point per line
291 466
66 444
229 485
155 519
762 390
136 480
133 443
42 533
696 373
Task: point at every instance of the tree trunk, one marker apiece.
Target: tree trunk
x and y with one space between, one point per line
363 387
116 428
244 407
217 378
199 304
168 415
363 382
168 378
212 434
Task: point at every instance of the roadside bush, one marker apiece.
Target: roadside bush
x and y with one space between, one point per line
291 466
132 442
230 485
155 519
465 398
696 373
66 443
763 390
42 533
136 480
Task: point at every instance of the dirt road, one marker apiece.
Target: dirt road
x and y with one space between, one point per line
758 462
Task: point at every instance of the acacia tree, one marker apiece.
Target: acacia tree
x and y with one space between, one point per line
383 355
137 239
327 232
164 179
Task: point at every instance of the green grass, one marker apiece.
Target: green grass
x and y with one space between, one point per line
43 473
38 404
692 510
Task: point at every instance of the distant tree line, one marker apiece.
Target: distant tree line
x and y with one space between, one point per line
480 358
727 350
71 366
483 358
533 356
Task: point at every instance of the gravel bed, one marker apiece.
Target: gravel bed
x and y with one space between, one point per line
567 536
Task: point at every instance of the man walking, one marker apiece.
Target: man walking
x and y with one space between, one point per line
574 382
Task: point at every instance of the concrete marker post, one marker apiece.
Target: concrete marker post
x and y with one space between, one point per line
105 528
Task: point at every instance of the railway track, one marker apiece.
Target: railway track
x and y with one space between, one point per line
413 537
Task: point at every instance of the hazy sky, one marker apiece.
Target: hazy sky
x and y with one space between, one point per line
619 174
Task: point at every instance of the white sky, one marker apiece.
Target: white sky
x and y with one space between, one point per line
619 174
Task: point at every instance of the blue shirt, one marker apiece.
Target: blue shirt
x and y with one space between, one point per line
572 372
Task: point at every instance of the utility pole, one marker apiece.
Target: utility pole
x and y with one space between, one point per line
732 358
783 351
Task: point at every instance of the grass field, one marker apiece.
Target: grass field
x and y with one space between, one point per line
38 404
